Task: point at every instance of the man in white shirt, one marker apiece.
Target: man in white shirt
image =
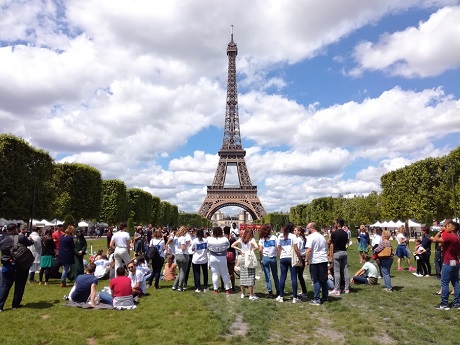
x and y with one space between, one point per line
316 257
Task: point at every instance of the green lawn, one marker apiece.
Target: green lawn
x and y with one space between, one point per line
365 316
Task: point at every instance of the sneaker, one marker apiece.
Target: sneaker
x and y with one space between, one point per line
335 292
173 288
296 300
346 291
180 290
228 292
279 299
314 302
417 275
242 295
455 306
412 268
216 292
427 275
387 290
205 290
442 307
400 269
380 277
197 290
65 298
253 298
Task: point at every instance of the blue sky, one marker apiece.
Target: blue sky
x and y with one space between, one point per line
332 94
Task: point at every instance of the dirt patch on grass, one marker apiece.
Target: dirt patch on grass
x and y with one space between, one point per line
45 316
325 331
91 341
384 338
238 327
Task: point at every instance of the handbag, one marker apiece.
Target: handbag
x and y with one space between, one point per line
250 260
294 258
385 253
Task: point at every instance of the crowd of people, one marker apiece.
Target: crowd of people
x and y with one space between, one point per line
136 264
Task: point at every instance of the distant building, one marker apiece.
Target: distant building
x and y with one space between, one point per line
221 219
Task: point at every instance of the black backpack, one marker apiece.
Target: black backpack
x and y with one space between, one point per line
22 256
154 252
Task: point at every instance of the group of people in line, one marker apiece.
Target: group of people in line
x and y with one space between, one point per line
226 252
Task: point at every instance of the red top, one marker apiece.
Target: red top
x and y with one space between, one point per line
450 247
121 286
56 236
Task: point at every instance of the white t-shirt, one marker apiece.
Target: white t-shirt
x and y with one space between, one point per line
200 248
160 244
286 244
218 245
401 238
136 277
178 241
302 245
269 246
370 270
376 240
101 268
190 239
318 246
121 239
171 245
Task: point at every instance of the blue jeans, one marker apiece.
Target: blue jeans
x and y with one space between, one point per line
11 276
65 272
360 279
196 275
385 265
318 273
105 297
269 264
449 274
285 265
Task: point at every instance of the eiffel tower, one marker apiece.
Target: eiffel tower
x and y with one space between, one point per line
232 154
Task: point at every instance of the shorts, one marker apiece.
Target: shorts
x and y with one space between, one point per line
402 251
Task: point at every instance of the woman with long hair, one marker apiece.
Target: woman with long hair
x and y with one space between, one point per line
200 260
47 256
157 262
286 241
268 252
217 246
302 245
247 274
66 253
181 249
387 261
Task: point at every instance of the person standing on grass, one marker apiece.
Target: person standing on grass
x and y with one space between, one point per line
418 252
302 246
181 249
402 251
387 261
200 260
66 253
363 243
247 274
78 267
157 262
36 250
268 252
316 257
339 240
217 246
426 244
286 242
231 257
47 256
10 273
448 237
120 243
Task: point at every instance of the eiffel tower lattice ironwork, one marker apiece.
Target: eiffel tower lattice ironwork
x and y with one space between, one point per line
232 154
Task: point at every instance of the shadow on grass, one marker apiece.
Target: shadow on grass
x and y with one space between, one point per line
397 288
42 304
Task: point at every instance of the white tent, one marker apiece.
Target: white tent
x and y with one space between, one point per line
41 223
83 224
413 224
377 223
399 224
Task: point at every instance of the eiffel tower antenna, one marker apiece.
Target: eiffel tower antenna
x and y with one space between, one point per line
232 154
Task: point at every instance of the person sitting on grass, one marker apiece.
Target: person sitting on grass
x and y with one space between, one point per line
102 267
137 277
84 289
367 274
170 271
120 291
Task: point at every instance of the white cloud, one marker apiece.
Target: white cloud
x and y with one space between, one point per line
428 50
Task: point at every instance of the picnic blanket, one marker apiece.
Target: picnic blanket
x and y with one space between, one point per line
87 305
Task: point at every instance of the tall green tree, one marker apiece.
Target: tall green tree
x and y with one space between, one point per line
79 191
114 202
26 174
140 205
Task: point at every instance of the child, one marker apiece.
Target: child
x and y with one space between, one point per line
421 265
367 274
170 269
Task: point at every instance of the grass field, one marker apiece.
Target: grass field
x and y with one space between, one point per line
365 316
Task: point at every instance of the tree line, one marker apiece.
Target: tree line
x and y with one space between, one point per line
424 191
34 186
